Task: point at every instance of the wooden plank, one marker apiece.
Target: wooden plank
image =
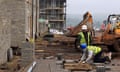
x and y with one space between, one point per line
78 66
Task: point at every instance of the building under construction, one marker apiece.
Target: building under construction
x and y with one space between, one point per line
54 11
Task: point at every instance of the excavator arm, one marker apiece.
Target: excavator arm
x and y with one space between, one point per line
87 20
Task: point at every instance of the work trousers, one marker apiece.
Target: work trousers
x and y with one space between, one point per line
98 58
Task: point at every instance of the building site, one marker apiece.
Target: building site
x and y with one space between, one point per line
35 37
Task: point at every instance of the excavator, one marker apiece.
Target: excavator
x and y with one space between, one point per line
110 37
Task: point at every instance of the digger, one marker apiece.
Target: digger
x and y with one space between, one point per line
110 37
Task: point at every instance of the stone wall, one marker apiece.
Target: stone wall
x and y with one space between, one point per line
15 11
5 28
4 39
12 31
18 22
32 17
27 54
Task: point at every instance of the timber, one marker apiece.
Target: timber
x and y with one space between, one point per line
78 66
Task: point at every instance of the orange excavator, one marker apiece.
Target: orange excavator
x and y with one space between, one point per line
111 35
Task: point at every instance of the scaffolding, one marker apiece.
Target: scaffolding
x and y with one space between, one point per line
54 11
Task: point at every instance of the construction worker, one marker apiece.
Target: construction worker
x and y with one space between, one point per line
95 52
84 37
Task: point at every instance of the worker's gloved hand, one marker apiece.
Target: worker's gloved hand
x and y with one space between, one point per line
84 62
80 61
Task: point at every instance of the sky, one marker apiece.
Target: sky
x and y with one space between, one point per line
93 6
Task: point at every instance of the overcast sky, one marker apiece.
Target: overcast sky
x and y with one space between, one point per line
94 6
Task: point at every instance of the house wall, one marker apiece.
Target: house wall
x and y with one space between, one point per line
5 26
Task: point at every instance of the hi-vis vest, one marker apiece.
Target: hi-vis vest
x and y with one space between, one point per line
95 49
82 40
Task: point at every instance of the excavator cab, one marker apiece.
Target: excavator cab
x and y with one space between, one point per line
113 24
117 28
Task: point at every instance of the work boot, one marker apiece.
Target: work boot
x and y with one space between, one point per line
108 59
107 62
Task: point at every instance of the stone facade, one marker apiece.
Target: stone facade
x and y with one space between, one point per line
32 16
29 22
5 35
12 31
27 54
4 39
17 16
15 11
